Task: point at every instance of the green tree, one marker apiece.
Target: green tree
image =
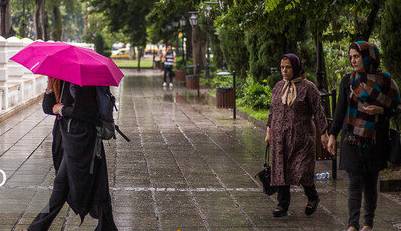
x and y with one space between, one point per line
22 16
129 17
389 36
231 33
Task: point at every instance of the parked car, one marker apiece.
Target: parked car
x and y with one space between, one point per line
122 53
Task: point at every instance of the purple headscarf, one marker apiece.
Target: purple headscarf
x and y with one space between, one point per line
296 64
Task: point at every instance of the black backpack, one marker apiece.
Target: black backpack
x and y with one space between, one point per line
106 104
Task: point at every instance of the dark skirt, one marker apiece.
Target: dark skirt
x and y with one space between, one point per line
367 158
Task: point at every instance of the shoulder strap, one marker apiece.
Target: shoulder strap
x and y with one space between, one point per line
121 133
267 156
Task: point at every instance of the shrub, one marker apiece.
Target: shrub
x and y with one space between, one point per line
254 94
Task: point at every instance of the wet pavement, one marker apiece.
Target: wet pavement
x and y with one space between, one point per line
189 166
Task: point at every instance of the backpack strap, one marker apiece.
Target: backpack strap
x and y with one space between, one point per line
121 133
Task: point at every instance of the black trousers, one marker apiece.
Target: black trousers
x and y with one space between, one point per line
168 71
44 219
365 183
284 195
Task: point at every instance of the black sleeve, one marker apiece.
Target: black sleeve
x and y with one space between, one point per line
341 107
49 100
395 101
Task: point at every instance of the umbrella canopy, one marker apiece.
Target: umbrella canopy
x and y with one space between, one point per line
77 65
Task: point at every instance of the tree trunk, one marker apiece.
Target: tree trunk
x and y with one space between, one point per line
140 51
39 19
5 25
58 27
370 22
196 50
321 72
320 64
24 23
46 29
367 30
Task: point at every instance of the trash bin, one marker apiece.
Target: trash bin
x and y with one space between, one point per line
180 75
225 97
192 81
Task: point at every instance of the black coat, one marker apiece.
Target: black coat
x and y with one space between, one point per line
77 133
371 158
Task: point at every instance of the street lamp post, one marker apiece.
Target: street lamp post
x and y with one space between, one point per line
183 24
193 20
207 14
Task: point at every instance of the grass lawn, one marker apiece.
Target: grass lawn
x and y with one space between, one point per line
146 63
256 114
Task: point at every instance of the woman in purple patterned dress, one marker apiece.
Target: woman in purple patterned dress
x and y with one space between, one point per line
295 113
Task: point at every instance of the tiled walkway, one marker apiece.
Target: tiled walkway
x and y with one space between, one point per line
189 166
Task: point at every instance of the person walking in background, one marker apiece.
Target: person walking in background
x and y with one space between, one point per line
169 60
368 97
81 179
294 115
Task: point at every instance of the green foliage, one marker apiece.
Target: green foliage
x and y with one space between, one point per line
254 95
22 16
127 16
390 36
100 45
337 62
161 16
273 79
64 17
180 65
259 114
224 81
231 34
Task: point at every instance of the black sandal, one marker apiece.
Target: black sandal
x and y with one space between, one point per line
279 212
311 207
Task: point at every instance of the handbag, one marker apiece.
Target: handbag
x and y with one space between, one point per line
394 155
265 176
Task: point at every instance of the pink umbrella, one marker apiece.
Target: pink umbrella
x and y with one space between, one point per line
63 61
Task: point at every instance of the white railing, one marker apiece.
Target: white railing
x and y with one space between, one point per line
18 84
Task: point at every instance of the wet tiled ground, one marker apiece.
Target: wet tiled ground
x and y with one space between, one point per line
189 166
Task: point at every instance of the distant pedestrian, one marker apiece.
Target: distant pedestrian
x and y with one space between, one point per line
81 179
368 98
294 115
169 60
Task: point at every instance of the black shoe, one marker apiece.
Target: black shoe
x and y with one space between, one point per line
311 207
279 212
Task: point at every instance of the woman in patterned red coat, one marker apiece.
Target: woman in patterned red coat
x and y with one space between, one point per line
295 113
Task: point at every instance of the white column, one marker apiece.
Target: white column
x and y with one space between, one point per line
3 60
28 77
3 73
26 42
14 45
15 71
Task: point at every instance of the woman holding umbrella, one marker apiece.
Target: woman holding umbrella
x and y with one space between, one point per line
81 179
83 187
